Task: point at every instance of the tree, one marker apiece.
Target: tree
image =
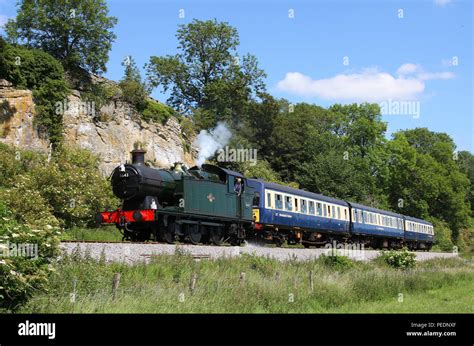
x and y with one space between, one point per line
133 89
422 185
76 32
207 73
466 166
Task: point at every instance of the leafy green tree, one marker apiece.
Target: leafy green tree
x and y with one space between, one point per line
207 73
133 89
362 125
423 184
78 33
290 131
466 166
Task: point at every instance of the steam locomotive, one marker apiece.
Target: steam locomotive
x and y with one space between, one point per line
202 205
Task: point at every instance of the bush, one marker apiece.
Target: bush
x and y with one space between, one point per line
23 272
399 259
187 126
134 93
155 111
443 238
99 94
38 71
337 262
67 191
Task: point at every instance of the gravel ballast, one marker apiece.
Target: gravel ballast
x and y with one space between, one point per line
132 253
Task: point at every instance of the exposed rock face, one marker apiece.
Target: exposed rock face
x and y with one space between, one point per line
17 112
112 135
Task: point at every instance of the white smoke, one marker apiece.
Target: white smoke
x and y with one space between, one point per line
208 142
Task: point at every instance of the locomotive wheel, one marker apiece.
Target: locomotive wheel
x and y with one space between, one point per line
192 234
216 235
168 233
234 241
278 239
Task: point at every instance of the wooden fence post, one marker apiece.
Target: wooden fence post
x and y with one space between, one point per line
192 283
311 280
115 284
242 277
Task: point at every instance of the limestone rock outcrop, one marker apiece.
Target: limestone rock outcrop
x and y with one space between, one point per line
111 136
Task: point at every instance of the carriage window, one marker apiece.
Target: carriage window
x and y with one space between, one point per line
324 209
303 206
338 212
319 209
296 204
333 212
269 199
288 203
256 200
311 207
278 201
345 214
365 217
329 210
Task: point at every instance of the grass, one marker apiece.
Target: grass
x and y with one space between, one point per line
105 233
163 286
447 299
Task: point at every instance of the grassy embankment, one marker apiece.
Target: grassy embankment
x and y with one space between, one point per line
163 286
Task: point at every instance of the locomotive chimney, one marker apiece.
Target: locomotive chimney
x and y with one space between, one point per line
138 156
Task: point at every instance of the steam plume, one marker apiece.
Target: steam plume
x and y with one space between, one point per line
208 142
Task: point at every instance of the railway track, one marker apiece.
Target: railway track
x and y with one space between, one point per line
129 252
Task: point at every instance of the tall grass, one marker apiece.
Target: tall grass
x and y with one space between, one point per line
104 233
163 285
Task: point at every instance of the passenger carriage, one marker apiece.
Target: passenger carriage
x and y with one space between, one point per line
283 212
419 234
376 227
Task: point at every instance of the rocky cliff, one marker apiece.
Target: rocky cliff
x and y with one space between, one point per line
112 135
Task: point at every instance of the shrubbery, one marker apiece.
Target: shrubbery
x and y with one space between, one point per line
24 261
443 238
66 192
38 71
156 111
399 259
337 262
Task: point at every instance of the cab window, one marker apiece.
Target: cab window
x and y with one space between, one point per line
256 199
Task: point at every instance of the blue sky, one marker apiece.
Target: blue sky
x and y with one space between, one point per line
395 53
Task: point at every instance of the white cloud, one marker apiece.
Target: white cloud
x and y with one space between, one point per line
408 69
435 75
442 3
369 85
